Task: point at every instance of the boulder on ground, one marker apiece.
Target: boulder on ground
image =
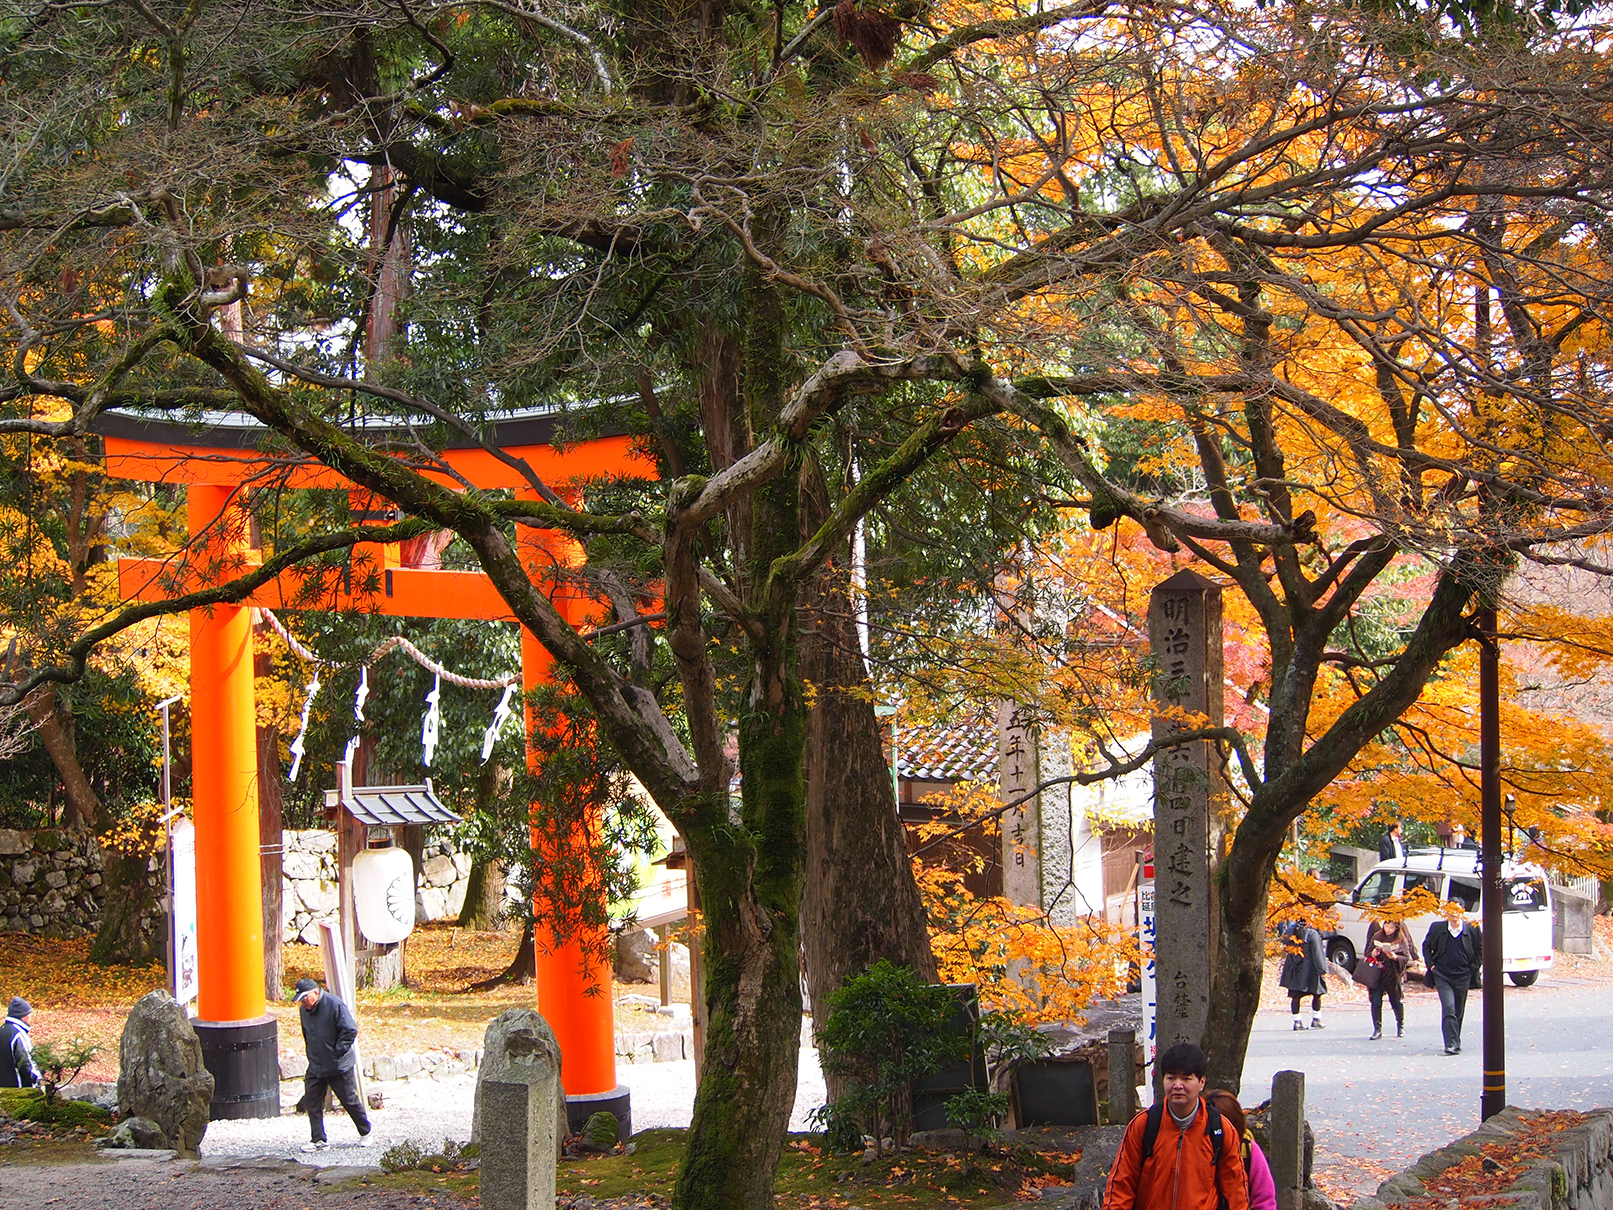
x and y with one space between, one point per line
138 1133
635 956
160 1073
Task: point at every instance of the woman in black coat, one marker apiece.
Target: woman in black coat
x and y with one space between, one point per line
1303 968
1381 969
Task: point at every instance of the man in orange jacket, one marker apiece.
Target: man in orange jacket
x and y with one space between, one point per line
1177 1156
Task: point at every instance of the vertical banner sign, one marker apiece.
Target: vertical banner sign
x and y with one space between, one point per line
1018 774
1184 635
1150 979
182 920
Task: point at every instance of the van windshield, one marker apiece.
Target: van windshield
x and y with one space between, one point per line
1524 895
1376 887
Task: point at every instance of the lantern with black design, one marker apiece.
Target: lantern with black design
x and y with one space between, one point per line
377 873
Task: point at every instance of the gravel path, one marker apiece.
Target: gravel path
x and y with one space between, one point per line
425 1111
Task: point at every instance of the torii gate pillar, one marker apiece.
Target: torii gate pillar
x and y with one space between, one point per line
573 981
239 1040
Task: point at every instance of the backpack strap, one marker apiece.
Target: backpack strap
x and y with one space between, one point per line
1155 1115
1212 1127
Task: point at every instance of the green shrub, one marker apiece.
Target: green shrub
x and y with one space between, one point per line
60 1062
400 1157
886 1028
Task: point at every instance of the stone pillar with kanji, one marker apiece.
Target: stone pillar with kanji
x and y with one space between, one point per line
1184 634
1018 774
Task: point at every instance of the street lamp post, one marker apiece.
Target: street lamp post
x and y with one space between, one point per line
1493 1097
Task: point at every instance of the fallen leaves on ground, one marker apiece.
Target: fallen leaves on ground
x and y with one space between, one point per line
1499 1164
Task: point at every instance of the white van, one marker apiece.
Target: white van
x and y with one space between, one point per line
1455 874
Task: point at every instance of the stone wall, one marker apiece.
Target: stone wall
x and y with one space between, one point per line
1577 1176
50 882
310 892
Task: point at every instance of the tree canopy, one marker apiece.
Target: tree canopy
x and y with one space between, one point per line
1297 293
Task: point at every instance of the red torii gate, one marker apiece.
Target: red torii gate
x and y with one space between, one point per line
214 463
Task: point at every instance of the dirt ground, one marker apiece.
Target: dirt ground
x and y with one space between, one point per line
76 998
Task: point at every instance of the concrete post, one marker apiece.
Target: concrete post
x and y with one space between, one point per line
1122 1076
1287 1136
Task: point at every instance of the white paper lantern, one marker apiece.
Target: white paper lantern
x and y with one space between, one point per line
383 894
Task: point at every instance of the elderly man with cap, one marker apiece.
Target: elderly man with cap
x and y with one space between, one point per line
17 1068
328 1033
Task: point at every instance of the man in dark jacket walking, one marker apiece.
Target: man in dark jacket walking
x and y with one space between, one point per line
1453 952
328 1034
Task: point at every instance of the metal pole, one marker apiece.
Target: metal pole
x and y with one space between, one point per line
1493 1098
168 834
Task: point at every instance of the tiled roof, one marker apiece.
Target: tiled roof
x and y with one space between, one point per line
950 752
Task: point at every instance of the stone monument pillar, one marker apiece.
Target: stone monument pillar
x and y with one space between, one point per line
1184 635
1018 773
518 1112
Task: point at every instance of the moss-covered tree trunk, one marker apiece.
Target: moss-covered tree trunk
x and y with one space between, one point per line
134 925
750 875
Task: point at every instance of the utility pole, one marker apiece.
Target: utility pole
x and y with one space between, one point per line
1493 1098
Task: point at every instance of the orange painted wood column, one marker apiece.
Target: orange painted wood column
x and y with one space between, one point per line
229 885
574 987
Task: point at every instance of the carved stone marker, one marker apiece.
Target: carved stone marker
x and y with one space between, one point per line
1122 1076
1184 635
1018 774
518 1112
1287 1134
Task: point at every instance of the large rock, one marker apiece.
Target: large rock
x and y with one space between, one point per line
160 1072
430 903
438 871
319 896
295 864
635 956
138 1134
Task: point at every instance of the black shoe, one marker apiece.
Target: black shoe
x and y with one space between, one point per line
1377 1032
1456 1050
1400 1031
1450 1050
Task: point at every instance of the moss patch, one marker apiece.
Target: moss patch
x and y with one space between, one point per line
807 1178
28 1104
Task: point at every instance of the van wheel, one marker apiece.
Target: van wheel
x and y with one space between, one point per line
1341 951
1524 978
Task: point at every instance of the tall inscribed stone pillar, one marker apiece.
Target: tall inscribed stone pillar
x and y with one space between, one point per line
1018 773
1184 634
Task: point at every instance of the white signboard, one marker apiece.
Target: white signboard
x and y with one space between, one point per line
182 858
1145 941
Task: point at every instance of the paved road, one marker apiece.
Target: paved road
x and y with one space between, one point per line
1377 1106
